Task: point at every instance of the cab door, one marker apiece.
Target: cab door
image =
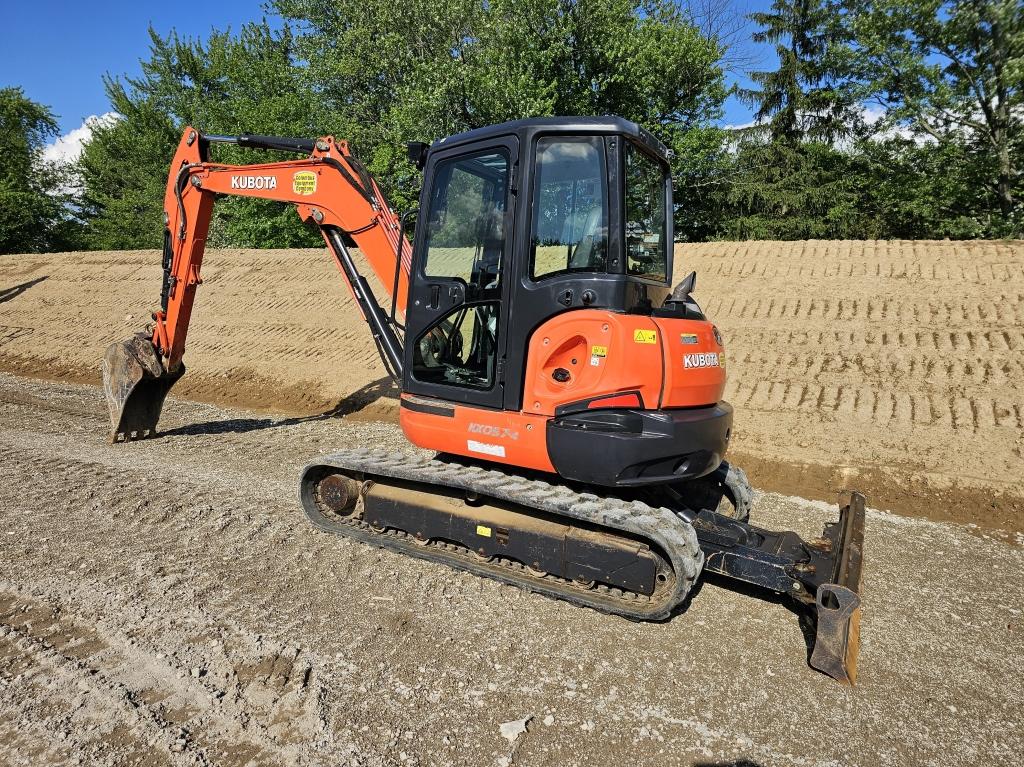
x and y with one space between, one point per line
458 300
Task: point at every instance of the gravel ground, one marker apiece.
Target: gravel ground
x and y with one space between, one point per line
164 602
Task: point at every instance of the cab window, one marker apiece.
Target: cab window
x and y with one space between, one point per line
646 223
570 207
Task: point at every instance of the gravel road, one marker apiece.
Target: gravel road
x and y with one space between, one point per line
164 602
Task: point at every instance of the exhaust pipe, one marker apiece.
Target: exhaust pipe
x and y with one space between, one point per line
135 384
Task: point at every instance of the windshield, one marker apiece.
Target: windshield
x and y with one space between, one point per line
646 230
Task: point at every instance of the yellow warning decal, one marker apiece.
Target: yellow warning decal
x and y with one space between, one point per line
483 530
304 182
721 359
645 336
599 351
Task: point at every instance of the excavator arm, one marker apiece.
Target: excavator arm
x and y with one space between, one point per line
329 188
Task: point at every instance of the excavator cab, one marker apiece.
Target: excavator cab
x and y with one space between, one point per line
541 313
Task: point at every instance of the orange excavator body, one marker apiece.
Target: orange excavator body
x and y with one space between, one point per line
573 397
584 359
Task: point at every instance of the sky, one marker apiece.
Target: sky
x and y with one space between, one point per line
58 52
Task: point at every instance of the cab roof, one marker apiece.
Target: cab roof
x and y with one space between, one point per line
526 130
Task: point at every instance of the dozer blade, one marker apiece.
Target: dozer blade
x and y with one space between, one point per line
823 575
837 603
136 385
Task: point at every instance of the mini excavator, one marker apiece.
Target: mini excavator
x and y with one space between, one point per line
572 399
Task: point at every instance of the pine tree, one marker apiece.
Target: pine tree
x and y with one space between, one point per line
790 181
807 97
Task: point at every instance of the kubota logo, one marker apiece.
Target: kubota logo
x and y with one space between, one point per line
708 360
254 182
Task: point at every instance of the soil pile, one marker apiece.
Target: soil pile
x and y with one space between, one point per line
894 367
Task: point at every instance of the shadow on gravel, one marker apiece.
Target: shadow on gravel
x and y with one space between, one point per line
737 763
805 618
359 400
9 294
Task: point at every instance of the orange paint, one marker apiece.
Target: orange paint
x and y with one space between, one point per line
699 383
566 342
516 439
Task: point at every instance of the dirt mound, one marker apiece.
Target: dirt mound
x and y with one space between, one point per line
895 367
271 329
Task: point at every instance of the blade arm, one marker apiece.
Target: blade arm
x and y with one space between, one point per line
823 575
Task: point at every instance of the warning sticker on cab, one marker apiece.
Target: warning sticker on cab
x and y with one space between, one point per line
304 182
599 351
645 336
483 530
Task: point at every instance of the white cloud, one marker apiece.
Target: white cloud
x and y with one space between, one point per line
741 126
871 115
68 148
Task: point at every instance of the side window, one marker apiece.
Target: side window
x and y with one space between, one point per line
646 230
570 207
466 229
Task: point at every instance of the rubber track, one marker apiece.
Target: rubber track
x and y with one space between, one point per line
673 536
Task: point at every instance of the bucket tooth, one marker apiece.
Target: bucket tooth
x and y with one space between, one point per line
135 384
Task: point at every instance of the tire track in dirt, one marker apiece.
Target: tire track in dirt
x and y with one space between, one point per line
111 692
895 366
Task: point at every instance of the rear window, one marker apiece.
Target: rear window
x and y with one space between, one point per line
570 207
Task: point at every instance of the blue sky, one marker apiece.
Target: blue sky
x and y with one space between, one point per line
59 51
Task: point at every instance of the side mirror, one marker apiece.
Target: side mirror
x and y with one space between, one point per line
416 151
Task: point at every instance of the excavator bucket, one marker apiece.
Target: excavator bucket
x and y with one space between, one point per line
136 385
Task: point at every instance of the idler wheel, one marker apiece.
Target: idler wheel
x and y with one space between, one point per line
338 494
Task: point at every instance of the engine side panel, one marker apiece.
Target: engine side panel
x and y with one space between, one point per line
584 354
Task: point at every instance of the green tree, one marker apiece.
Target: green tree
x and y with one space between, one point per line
385 73
783 191
380 74
909 189
124 168
951 71
33 216
807 97
789 178
229 84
